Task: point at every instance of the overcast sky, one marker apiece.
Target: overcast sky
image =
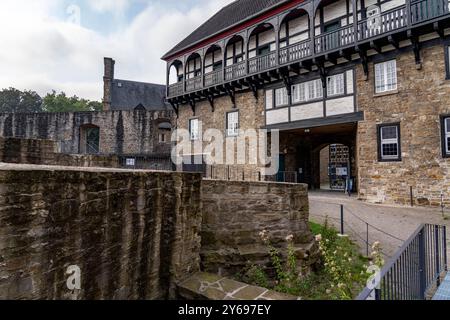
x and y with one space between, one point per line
60 44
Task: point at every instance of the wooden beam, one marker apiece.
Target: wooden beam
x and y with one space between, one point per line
192 104
210 98
232 94
331 59
346 55
375 46
295 68
305 65
175 107
416 48
286 80
254 87
439 29
365 62
393 41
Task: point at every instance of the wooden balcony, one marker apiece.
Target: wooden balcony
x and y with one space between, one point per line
419 16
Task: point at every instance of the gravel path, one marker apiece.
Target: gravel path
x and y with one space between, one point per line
398 222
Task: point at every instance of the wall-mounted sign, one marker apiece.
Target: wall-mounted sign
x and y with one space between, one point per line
131 162
341 171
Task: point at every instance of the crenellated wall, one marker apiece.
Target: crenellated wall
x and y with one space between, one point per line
121 132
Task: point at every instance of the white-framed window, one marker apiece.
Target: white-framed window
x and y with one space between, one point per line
233 123
281 97
386 76
194 129
307 91
336 85
389 139
446 136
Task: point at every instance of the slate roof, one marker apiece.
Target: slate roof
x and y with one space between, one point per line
127 95
234 13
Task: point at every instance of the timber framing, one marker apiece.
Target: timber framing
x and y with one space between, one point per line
243 77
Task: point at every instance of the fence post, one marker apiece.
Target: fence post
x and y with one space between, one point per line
367 239
422 281
436 248
342 219
445 246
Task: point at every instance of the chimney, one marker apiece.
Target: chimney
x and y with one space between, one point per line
108 83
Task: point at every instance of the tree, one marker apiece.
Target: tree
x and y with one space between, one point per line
13 100
60 102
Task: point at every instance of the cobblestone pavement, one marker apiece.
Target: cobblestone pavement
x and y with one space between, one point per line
399 222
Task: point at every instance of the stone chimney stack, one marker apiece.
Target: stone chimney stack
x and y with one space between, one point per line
108 83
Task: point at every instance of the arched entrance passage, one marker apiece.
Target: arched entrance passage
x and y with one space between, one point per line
334 166
302 150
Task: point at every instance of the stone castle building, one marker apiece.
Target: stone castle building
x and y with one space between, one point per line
136 122
371 75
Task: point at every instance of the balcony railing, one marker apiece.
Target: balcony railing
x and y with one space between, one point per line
335 39
388 21
194 83
235 71
213 78
394 20
295 52
263 62
428 9
175 89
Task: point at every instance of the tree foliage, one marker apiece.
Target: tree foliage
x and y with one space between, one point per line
13 100
16 101
60 102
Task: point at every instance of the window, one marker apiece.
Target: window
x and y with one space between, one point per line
446 136
386 76
307 91
335 85
389 142
233 124
193 129
281 97
332 26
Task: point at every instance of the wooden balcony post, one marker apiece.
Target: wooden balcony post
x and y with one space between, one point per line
408 13
355 19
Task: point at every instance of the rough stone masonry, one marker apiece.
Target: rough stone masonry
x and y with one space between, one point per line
133 235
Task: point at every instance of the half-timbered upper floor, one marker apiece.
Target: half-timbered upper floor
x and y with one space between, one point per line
288 38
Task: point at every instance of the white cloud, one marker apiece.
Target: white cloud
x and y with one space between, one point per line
109 5
42 53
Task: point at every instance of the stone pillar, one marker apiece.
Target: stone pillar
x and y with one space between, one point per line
107 83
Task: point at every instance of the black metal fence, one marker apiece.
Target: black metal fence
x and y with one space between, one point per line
147 162
415 270
232 173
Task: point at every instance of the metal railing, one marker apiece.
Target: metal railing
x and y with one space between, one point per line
387 21
415 270
335 39
213 77
147 162
428 9
263 62
393 20
232 173
295 51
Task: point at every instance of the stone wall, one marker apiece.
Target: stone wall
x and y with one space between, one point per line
134 235
121 132
423 95
46 152
251 116
234 213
